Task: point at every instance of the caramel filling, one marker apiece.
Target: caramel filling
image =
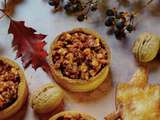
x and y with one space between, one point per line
9 80
79 55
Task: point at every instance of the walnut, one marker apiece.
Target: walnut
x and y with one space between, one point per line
62 51
95 62
87 51
83 67
146 47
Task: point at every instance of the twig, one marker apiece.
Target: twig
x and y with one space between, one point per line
1 10
5 3
149 2
5 14
89 3
2 16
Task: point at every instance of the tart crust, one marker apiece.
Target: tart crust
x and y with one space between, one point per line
22 91
71 114
76 85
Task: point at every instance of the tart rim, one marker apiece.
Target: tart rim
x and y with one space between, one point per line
66 81
22 91
85 115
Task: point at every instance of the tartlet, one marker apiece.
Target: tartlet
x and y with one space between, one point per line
79 60
72 115
137 100
46 98
13 88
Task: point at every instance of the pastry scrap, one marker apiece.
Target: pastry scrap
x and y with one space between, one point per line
80 60
72 115
137 100
46 98
13 88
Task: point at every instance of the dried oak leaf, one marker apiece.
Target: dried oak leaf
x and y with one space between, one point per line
137 99
29 45
10 6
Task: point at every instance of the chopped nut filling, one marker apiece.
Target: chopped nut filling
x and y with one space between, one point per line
71 117
9 80
79 55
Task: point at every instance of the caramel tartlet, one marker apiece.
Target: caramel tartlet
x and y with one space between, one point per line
13 88
79 60
72 115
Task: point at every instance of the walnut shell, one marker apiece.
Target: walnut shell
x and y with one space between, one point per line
146 47
22 91
76 85
72 114
46 98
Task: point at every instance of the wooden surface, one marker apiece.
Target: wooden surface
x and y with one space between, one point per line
37 14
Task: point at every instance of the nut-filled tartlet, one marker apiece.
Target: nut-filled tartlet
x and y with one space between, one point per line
72 115
13 88
79 60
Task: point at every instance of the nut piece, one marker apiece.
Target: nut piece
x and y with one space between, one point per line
146 47
46 98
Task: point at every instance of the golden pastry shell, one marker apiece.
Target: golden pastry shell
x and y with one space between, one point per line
22 91
76 85
72 113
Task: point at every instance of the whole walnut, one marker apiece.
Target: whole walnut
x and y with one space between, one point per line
146 47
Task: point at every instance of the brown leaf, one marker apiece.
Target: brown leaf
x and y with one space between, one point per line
29 45
10 6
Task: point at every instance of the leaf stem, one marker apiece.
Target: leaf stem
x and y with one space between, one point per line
3 11
5 3
2 16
